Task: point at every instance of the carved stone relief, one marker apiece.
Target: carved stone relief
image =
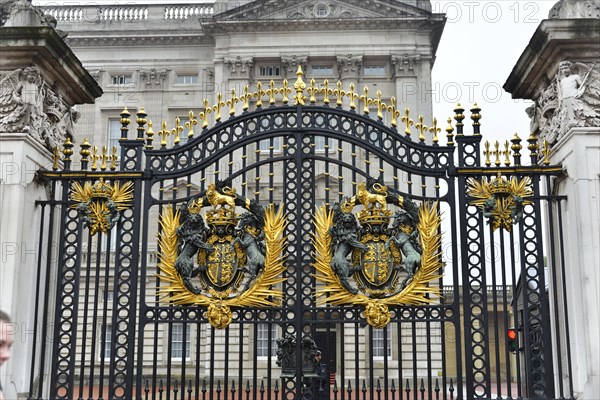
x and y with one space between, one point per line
571 100
290 65
239 67
404 65
568 9
349 66
28 104
23 13
153 77
313 10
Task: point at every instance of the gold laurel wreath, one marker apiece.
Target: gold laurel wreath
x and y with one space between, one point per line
415 293
260 294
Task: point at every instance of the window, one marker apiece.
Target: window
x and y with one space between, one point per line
321 10
265 145
378 342
105 341
177 342
322 70
122 80
262 340
320 142
270 70
373 70
187 79
114 134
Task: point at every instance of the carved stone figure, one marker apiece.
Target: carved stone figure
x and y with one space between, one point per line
344 234
28 104
23 13
569 9
578 97
21 101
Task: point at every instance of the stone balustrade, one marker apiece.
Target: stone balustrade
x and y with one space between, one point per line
127 12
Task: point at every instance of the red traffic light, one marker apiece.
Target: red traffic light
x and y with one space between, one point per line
512 334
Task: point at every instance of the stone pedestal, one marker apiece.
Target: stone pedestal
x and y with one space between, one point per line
560 71
21 249
579 154
41 80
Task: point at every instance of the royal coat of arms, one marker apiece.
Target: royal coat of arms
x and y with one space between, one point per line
223 259
378 257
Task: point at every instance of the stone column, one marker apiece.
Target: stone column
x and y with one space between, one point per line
349 69
290 65
42 79
412 74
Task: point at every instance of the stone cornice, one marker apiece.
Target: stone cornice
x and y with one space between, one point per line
42 46
127 40
554 40
395 9
435 22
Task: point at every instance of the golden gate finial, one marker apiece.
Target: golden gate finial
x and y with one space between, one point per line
299 86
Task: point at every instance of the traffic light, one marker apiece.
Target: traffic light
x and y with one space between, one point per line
513 345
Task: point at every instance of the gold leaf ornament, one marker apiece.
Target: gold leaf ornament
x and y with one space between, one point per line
101 203
262 293
417 292
501 200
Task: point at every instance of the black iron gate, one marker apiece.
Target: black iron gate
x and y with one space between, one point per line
128 318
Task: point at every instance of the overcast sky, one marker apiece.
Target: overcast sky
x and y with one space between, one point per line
481 43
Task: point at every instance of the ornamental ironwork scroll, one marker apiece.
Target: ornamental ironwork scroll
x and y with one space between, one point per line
362 259
223 259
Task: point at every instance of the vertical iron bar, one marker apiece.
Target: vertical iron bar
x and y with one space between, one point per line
46 318
36 313
505 313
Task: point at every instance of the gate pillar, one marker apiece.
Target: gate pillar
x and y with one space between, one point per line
559 70
47 80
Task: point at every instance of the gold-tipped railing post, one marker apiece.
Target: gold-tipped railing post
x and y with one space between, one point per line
533 148
516 148
85 153
459 117
141 121
449 133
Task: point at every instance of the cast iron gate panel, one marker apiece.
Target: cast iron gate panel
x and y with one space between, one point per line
115 337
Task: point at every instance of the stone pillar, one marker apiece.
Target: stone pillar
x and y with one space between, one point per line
579 153
290 65
560 71
349 69
412 74
237 72
42 80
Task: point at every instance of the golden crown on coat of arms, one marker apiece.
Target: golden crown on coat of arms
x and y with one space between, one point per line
500 186
222 217
101 190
